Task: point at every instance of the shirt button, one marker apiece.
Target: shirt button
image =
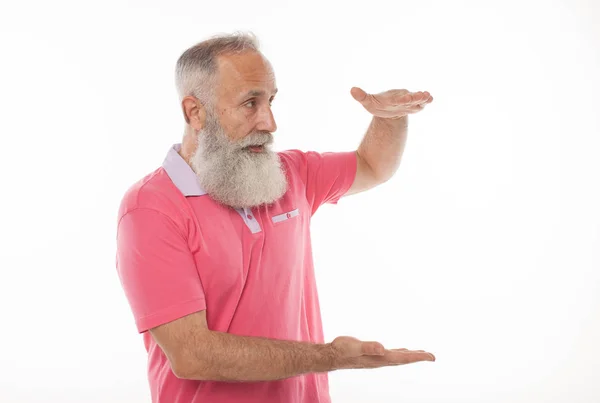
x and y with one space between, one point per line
249 216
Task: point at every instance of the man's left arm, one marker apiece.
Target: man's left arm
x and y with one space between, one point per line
380 152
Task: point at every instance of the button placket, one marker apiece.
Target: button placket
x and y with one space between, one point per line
249 219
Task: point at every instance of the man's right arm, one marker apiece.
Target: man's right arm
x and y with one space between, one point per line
195 352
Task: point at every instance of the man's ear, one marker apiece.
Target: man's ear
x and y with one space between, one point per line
194 112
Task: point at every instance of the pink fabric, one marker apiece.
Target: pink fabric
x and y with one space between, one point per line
179 254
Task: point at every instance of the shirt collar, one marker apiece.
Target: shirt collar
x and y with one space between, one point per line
181 173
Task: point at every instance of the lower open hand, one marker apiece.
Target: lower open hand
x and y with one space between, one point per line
350 352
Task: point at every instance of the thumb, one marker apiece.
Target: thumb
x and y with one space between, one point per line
359 94
372 348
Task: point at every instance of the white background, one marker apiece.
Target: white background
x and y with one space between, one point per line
484 248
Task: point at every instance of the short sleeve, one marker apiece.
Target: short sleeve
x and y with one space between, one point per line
156 269
327 176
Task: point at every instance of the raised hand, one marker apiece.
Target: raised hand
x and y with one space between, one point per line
392 104
350 352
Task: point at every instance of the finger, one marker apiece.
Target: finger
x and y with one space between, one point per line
408 357
360 95
428 99
404 349
416 98
402 99
412 351
421 97
411 357
425 98
423 351
372 348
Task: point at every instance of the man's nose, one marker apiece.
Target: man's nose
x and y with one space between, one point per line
267 121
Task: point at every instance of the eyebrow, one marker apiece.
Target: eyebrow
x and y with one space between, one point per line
258 93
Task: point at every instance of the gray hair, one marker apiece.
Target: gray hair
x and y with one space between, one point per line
196 70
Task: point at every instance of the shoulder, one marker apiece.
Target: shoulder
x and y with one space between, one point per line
305 161
156 192
294 158
297 161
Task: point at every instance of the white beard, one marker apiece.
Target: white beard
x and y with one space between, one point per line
235 176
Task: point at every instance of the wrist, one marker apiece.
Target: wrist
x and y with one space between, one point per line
328 358
395 122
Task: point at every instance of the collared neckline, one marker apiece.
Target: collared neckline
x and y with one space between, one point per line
185 179
181 173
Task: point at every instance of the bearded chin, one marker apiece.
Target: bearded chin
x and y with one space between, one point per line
234 176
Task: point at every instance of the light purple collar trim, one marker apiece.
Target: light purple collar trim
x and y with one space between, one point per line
181 173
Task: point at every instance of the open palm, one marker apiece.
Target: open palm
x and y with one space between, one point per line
392 104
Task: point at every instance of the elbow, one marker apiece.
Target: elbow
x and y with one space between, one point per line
189 373
182 372
194 374
385 174
378 178
375 173
382 178
184 366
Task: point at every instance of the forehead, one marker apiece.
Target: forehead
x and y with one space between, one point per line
241 73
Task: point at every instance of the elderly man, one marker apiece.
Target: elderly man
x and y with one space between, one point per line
214 250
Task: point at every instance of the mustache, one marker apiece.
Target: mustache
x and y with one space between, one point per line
256 139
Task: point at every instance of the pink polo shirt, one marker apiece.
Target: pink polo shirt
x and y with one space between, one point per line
179 252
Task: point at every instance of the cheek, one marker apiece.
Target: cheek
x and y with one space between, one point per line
241 130
237 126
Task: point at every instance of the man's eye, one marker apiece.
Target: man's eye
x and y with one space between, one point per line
250 104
